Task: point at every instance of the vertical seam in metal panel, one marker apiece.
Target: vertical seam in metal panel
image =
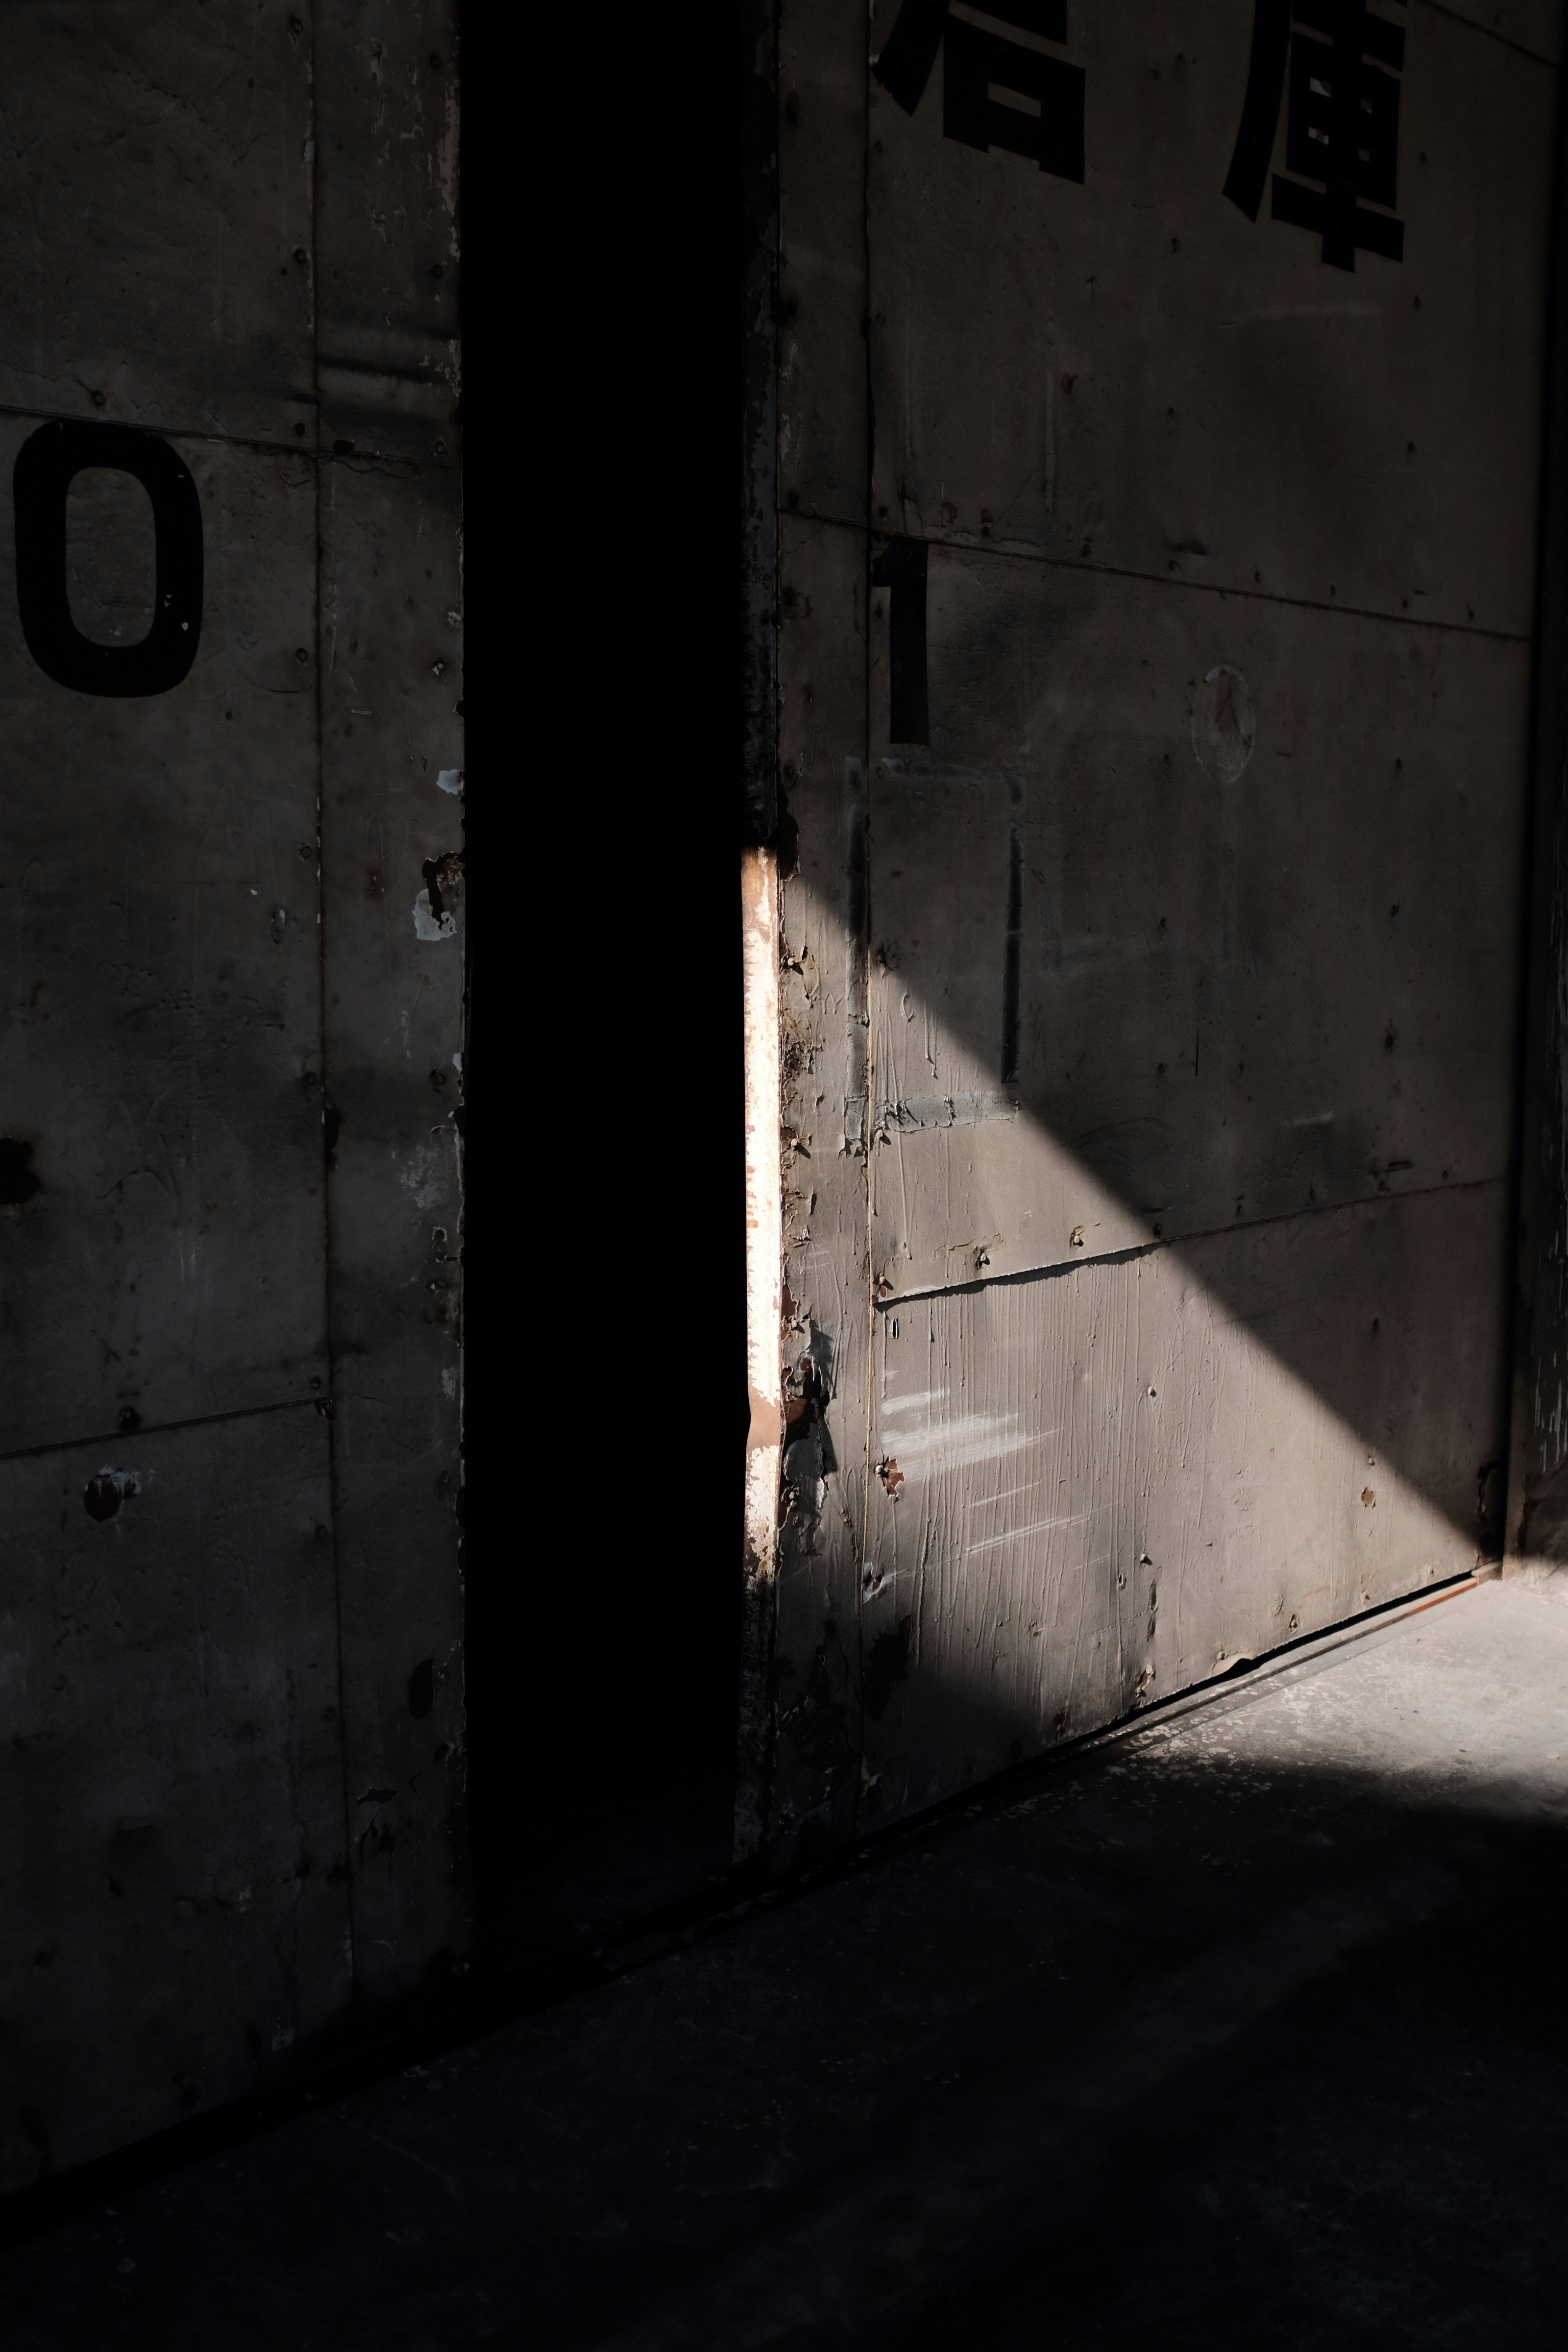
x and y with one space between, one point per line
864 944
460 1330
760 231
1538 1136
320 637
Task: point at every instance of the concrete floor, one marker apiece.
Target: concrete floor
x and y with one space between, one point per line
1248 2029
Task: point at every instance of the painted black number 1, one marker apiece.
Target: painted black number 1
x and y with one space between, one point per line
900 568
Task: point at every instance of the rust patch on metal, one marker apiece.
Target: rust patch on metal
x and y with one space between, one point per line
444 881
102 1496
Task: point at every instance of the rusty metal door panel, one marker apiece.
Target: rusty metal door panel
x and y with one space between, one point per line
1131 372
160 959
1193 602
232 1052
1251 968
176 1926
1099 1487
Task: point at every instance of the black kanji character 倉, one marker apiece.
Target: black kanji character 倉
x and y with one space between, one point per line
1342 124
1047 124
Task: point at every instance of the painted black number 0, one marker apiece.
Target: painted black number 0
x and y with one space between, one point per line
46 464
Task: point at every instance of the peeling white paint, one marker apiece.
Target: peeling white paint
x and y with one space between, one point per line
429 926
968 1438
963 1109
1032 1528
449 780
1224 724
426 1174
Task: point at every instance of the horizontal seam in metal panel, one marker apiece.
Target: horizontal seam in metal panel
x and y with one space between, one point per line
122 1437
1244 1678
1161 579
1176 1242
1251 1678
1490 33
365 460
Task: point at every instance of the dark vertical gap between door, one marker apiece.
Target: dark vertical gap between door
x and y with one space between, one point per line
606 1238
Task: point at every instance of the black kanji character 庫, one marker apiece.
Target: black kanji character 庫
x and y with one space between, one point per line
1342 124
975 62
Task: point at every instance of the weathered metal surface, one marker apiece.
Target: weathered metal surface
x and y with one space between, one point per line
757 25
824 1030
176 1927
393 1018
232 1056
1200 560
163 1043
384 165
1132 372
1241 992
155 190
800 1737
1535 25
822 387
1097 1486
